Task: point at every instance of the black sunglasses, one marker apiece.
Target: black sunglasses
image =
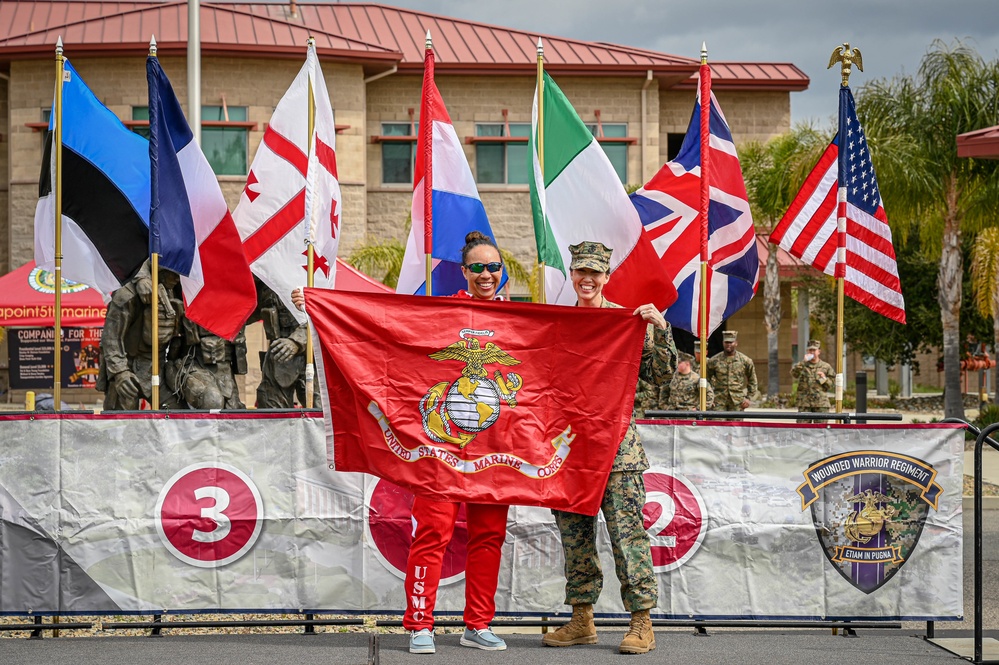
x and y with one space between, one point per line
477 268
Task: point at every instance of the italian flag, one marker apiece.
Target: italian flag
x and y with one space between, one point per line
577 197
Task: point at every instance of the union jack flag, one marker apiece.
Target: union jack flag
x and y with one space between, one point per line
668 206
808 230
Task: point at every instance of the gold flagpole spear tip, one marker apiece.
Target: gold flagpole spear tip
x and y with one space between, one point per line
430 42
847 57
704 53
59 45
152 45
541 48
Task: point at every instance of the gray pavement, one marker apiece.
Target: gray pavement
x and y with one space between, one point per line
675 645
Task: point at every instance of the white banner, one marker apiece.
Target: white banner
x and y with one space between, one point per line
241 512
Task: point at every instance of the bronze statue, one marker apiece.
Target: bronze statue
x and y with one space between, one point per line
125 375
203 373
282 365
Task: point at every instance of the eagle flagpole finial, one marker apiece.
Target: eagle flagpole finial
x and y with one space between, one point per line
848 57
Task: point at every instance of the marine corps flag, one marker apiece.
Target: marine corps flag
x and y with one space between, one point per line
485 402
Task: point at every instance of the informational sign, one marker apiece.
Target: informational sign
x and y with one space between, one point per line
32 353
241 512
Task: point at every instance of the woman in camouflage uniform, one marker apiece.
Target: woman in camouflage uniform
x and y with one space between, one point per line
624 497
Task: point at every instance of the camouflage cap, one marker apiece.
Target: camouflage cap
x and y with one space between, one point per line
683 356
592 255
814 344
729 335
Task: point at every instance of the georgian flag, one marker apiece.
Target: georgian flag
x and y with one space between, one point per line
292 195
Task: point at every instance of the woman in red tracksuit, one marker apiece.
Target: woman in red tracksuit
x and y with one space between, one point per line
435 520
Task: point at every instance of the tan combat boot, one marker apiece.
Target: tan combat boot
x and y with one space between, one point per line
639 638
579 630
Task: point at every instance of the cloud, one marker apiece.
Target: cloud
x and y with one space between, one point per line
893 35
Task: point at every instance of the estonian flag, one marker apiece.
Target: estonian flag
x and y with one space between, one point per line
105 193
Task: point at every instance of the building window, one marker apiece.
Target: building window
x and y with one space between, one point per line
501 153
616 151
224 136
673 145
225 145
398 154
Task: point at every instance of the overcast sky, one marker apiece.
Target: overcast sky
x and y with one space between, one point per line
892 35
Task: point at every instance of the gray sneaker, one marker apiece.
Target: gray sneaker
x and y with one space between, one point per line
422 641
483 639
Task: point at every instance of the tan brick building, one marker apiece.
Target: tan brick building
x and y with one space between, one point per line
637 101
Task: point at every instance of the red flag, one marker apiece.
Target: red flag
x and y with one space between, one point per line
486 402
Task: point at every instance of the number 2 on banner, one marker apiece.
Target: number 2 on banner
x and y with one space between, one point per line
674 518
668 510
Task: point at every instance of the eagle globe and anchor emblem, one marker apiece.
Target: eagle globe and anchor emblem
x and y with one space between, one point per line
455 411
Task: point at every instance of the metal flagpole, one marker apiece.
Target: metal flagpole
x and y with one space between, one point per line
154 260
194 67
705 88
310 279
57 147
540 143
845 56
427 127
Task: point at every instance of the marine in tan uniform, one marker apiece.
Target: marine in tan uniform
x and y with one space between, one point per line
624 497
814 376
732 375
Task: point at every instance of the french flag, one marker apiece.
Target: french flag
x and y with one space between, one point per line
189 222
452 209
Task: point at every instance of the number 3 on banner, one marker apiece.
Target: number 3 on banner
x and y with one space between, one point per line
215 513
668 511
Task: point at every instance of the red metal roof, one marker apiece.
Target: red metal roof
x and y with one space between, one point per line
753 76
982 143
364 32
32 27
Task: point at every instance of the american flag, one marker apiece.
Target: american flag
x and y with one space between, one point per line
668 206
808 229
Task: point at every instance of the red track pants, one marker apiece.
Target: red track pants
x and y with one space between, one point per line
434 527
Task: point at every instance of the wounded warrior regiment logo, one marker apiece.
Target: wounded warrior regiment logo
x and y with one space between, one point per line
455 411
869 508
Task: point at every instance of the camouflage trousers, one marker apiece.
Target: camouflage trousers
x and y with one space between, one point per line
622 507
814 409
724 403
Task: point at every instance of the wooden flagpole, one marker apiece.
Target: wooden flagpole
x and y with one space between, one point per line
57 147
540 145
154 261
310 279
845 56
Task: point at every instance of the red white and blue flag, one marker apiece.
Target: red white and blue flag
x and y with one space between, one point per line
669 206
189 222
292 195
446 204
862 240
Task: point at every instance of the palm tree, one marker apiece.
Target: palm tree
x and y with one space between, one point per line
911 125
774 173
985 283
